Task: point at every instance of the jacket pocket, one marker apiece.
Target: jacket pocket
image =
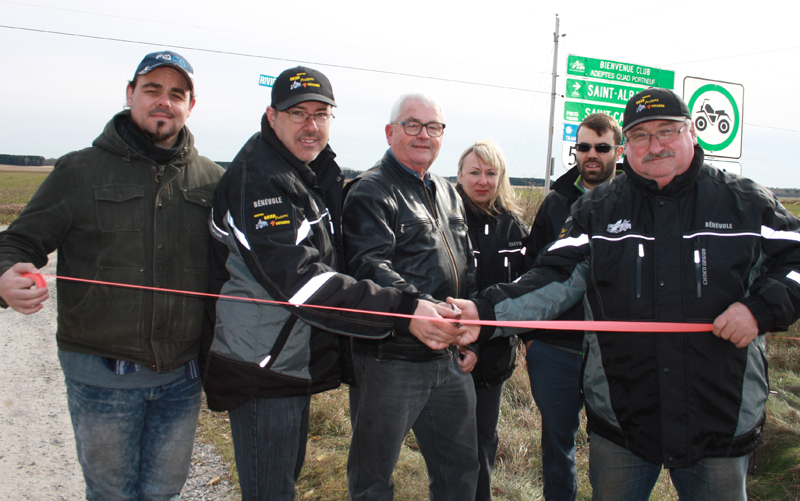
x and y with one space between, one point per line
197 210
105 315
120 207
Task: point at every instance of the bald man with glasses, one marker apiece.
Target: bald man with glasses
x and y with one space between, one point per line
405 227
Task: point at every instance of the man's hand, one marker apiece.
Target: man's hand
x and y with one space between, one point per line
468 312
467 359
435 334
16 290
737 325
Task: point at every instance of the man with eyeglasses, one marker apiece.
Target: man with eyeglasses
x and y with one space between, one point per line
670 240
275 224
554 357
406 227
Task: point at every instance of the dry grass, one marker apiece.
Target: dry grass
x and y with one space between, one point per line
517 475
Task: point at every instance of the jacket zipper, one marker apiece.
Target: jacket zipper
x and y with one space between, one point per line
444 238
639 271
698 271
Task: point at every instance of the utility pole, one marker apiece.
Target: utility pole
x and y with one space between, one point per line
549 163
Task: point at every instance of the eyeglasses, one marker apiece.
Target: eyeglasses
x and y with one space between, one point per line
664 136
413 128
599 148
300 116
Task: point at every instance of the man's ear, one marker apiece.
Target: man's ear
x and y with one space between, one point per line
389 131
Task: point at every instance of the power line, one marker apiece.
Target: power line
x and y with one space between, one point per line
258 56
775 128
250 33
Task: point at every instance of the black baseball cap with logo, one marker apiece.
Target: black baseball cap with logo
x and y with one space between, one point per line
654 104
300 84
166 58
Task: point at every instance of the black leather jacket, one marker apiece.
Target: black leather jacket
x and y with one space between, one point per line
399 234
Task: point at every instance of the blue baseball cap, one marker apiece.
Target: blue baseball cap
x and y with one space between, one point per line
166 58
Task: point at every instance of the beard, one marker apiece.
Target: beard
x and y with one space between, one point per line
160 132
599 176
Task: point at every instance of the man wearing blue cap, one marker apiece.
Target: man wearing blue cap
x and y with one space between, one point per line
131 209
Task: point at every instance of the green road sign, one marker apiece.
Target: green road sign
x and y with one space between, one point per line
623 73
576 112
602 92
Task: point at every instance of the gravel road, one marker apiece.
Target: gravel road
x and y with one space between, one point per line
37 447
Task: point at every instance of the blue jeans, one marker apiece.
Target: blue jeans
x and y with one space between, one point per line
269 442
487 414
556 388
135 444
433 398
617 474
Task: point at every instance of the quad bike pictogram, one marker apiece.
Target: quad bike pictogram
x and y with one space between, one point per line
708 114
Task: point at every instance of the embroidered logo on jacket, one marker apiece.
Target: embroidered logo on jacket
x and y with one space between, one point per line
278 216
619 226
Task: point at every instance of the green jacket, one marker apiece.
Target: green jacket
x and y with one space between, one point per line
100 208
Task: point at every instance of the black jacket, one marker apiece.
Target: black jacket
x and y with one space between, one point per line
398 234
546 227
497 244
276 236
683 253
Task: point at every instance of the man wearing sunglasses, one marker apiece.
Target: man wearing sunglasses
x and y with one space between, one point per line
405 227
670 240
554 357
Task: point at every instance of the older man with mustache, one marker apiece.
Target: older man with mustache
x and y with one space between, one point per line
670 240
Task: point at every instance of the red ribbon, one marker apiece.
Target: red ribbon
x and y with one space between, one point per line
580 325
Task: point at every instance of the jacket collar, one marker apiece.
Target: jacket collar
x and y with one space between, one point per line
111 141
321 173
677 186
565 184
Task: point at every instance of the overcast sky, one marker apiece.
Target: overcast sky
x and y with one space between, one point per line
489 63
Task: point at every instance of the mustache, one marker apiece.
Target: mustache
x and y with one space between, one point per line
661 154
161 111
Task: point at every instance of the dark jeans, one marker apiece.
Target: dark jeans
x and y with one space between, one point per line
617 474
135 444
487 414
269 442
555 384
433 398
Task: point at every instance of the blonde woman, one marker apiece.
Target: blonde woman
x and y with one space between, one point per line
497 234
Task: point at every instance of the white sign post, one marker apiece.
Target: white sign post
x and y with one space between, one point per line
717 110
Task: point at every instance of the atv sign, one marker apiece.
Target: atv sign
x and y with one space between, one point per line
717 114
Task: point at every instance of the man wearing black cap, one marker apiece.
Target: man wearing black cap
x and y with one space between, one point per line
670 240
276 238
131 209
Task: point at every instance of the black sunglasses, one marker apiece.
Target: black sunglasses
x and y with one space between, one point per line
599 148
